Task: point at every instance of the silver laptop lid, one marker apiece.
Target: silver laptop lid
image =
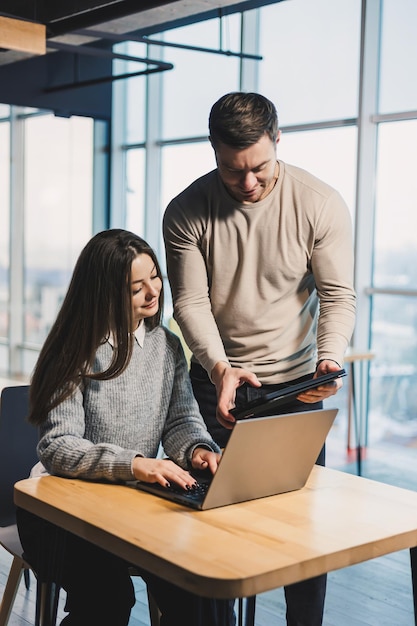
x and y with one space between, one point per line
269 455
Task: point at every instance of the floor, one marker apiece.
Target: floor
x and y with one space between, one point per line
375 593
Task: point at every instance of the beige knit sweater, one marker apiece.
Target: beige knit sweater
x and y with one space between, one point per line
266 286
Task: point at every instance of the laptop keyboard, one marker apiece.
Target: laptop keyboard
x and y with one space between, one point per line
193 497
196 493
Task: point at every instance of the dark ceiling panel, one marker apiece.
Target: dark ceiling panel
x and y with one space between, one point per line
63 17
28 80
29 83
84 13
19 8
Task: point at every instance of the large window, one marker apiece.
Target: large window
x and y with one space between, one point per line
311 70
136 97
182 164
311 59
46 217
347 104
393 392
198 78
396 206
398 89
4 238
393 389
393 293
329 154
135 191
58 213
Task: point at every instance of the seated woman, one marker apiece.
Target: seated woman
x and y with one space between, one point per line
111 384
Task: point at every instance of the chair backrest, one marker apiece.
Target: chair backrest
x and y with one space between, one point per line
18 440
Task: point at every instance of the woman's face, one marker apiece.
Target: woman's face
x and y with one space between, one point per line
146 287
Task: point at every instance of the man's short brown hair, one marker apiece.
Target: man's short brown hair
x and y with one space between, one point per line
240 119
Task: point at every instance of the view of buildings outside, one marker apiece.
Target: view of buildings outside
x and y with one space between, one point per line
393 383
58 201
56 186
4 224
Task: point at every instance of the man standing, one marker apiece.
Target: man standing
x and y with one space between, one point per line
260 263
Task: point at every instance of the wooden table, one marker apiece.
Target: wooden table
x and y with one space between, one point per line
241 550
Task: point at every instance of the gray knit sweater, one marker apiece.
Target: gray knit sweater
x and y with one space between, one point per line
96 433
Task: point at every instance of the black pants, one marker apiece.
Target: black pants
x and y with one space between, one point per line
305 600
98 584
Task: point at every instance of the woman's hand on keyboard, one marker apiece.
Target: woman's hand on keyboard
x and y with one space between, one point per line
162 471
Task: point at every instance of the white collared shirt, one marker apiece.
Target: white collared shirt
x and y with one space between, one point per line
139 335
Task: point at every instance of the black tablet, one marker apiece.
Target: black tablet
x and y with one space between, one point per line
258 407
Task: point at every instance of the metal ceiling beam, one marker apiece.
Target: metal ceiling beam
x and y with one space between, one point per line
155 42
157 66
119 17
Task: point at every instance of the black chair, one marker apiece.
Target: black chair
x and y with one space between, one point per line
18 440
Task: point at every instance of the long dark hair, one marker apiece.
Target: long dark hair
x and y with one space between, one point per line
98 304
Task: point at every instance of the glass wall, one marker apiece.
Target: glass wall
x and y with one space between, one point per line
58 200
49 194
198 78
135 191
4 235
393 292
310 66
315 61
356 133
393 390
328 153
398 61
135 99
181 164
396 206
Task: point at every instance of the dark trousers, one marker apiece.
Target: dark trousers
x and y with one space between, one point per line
305 600
98 584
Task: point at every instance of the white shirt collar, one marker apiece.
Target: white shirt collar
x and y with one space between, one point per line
139 335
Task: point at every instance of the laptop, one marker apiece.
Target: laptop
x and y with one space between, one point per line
282 396
264 456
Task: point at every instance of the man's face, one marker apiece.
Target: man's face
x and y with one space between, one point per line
248 174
